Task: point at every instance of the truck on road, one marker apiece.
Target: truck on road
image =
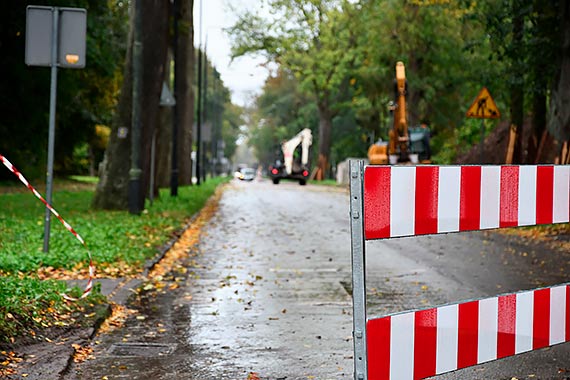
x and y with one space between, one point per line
290 163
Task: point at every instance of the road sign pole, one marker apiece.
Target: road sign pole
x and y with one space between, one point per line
481 144
356 171
51 137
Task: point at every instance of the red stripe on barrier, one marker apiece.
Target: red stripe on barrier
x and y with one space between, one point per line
506 326
544 194
427 180
378 345
468 327
470 198
509 198
377 203
425 337
541 321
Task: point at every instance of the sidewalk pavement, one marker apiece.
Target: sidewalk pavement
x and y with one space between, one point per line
51 357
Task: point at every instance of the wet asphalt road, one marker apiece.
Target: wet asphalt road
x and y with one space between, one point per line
270 292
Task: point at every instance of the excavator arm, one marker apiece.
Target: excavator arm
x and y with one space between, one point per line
399 133
288 147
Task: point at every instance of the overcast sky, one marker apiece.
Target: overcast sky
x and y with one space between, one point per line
244 76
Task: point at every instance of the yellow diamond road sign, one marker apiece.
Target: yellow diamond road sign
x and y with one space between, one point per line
483 106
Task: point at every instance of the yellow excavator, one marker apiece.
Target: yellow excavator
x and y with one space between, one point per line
397 149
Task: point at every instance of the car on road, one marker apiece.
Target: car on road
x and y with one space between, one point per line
246 174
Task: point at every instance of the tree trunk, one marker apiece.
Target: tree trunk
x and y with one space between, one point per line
185 90
155 49
164 150
325 131
112 191
542 78
559 117
164 141
538 125
517 84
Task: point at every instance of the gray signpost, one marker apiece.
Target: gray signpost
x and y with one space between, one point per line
54 37
356 169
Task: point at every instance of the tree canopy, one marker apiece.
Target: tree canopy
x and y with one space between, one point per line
337 58
86 97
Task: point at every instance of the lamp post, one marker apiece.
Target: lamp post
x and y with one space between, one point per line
134 195
174 157
199 106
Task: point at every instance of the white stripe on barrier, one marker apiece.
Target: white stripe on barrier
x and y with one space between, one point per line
402 189
561 197
402 346
490 196
524 318
488 328
527 195
448 199
557 315
446 349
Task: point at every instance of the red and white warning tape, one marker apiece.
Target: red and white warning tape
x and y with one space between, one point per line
89 285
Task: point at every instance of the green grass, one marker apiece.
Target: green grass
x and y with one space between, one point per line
112 237
84 178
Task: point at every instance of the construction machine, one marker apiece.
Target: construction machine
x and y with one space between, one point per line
404 144
290 164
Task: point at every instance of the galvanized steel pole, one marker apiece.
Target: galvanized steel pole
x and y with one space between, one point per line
205 109
51 136
356 172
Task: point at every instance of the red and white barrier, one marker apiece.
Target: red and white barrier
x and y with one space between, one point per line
395 201
418 200
22 179
424 343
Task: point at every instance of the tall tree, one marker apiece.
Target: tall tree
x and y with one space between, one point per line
431 38
86 98
185 90
544 52
112 189
279 114
559 121
517 77
314 40
182 61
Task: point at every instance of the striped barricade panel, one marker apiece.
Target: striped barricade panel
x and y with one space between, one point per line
424 343
418 200
402 201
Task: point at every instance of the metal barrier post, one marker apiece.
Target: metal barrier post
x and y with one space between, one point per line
358 269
